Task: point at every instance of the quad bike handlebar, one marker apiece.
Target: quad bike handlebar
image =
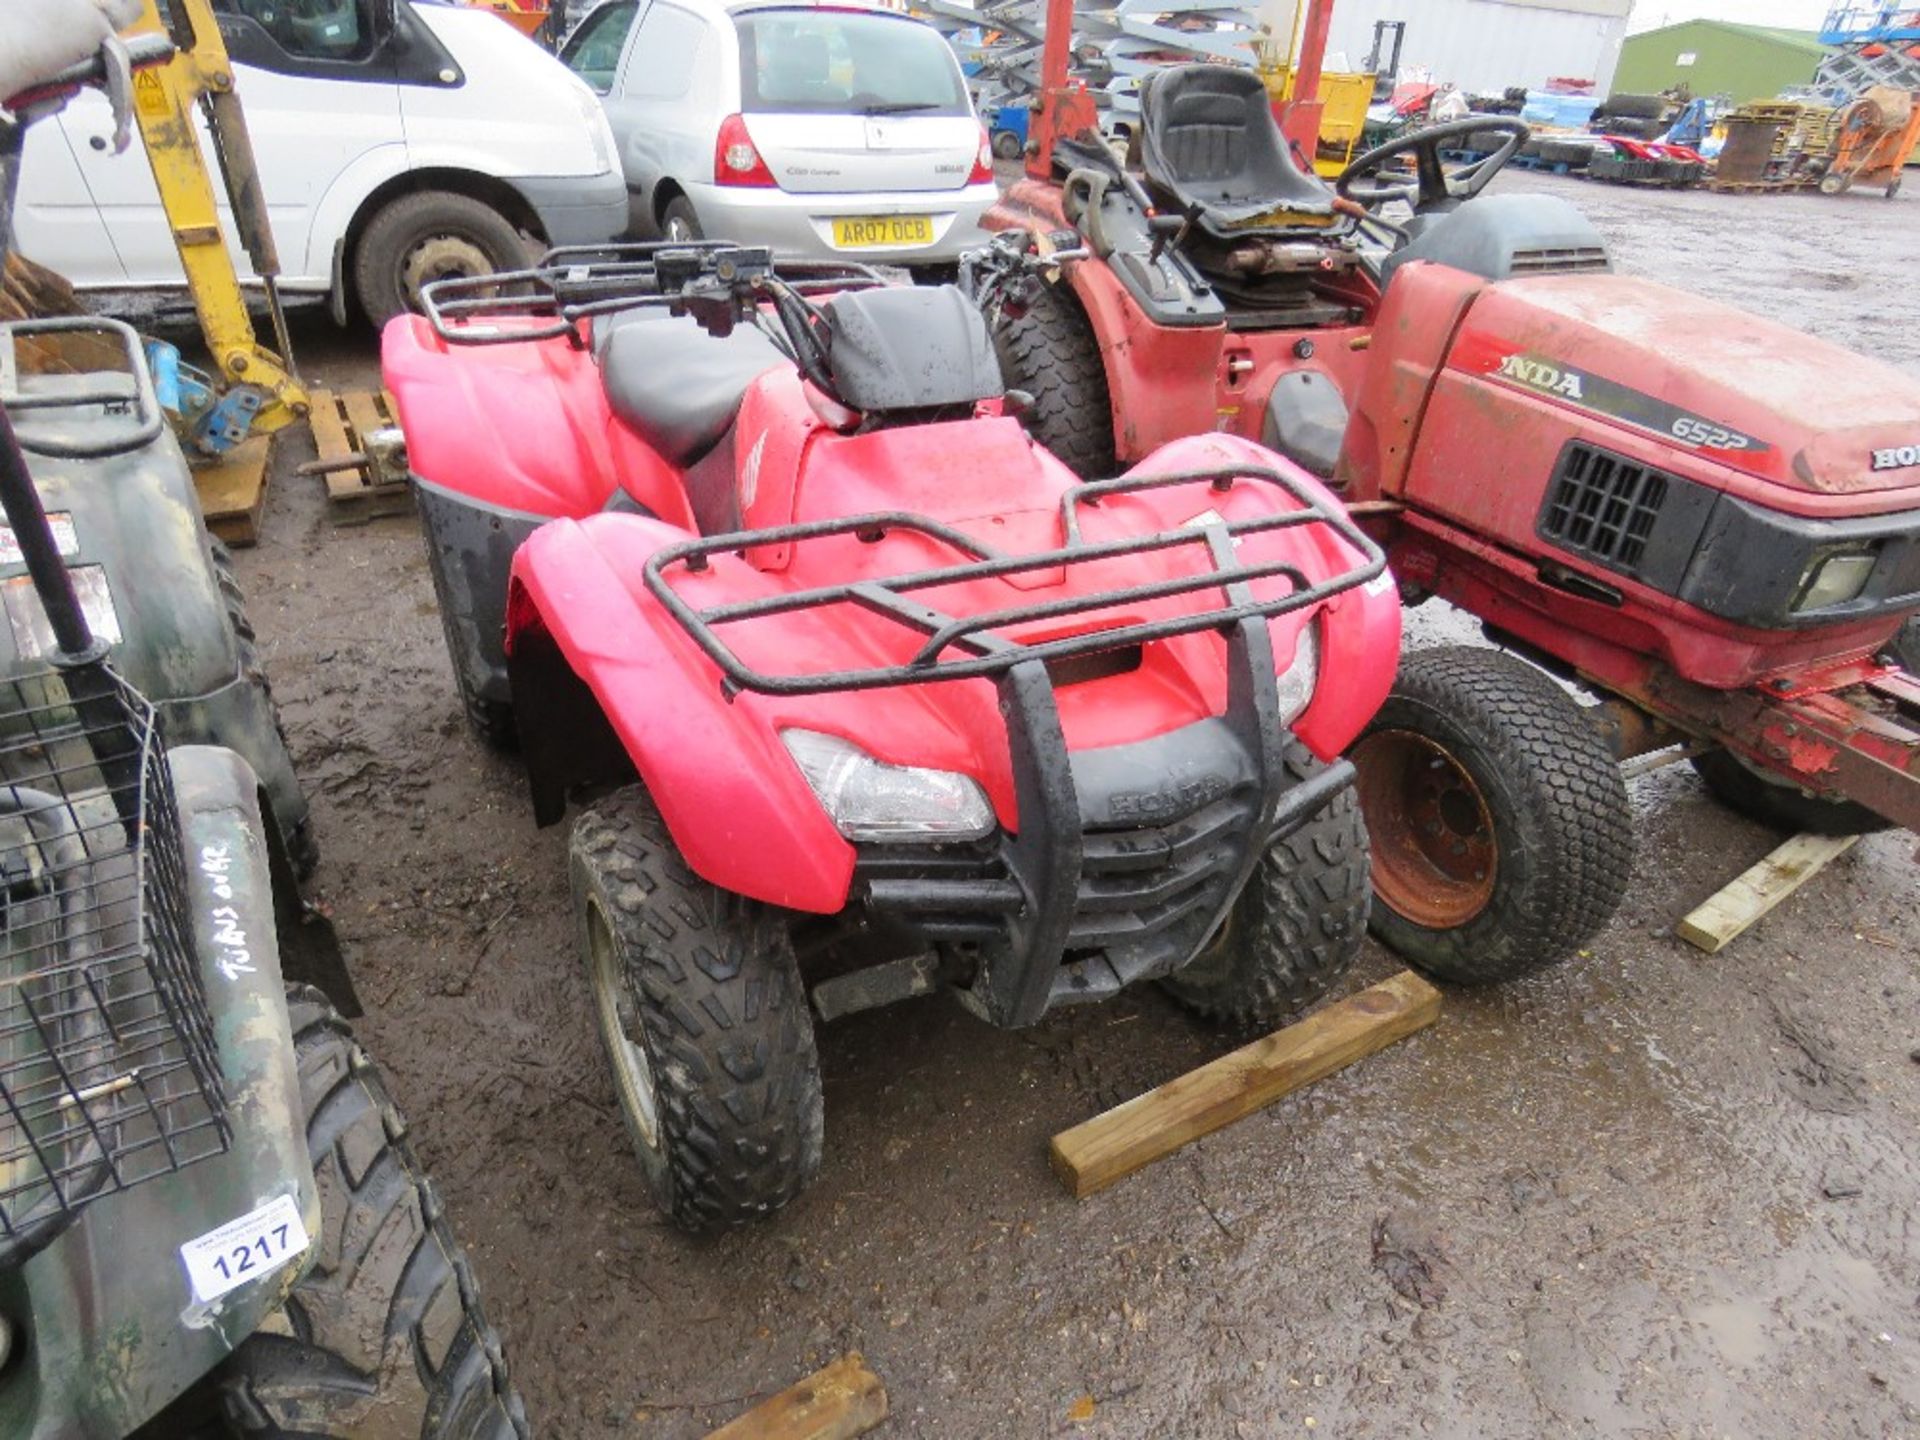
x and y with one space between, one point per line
1431 184
1004 275
716 282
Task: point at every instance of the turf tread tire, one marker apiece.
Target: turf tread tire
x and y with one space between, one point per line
386 1332
1780 804
1299 925
1559 806
717 994
1051 352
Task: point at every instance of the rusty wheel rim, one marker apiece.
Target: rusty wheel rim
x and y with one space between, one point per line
1435 860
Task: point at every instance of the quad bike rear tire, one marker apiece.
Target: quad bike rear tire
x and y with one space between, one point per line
1501 830
1780 803
386 1332
1052 353
303 850
1296 928
429 235
700 1006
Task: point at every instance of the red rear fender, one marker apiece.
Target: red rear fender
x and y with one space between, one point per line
524 427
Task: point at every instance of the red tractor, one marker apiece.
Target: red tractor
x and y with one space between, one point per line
1710 522
850 668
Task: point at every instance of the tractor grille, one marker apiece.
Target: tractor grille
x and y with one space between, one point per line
1561 260
1604 506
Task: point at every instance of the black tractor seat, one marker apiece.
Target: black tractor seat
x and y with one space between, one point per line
1211 148
675 385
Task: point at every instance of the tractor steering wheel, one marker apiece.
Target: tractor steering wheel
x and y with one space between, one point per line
1432 184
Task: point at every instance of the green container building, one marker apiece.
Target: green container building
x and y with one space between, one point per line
1716 57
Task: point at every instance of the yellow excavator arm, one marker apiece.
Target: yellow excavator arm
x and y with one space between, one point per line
164 100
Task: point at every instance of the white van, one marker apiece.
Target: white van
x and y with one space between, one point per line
399 141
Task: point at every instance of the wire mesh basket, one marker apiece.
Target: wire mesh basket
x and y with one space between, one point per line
108 1074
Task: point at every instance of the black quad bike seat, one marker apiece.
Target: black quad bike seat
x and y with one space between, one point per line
677 386
891 349
1211 148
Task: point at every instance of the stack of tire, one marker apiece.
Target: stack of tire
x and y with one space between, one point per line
1636 117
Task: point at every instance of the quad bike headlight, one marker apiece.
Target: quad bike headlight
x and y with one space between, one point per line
1297 681
1835 580
868 799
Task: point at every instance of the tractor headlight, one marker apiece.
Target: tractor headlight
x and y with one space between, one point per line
1297 681
1835 580
869 799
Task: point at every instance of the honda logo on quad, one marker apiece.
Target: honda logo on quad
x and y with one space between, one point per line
1538 375
1905 457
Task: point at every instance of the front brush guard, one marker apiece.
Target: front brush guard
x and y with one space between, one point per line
1023 975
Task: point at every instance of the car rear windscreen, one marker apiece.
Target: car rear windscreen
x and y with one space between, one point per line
837 62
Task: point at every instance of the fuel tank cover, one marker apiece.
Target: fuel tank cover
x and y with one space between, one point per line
1306 421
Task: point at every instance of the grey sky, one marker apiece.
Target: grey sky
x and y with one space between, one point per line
1794 14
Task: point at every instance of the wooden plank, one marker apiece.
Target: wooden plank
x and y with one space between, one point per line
1747 897
233 490
1109 1147
363 415
329 428
841 1401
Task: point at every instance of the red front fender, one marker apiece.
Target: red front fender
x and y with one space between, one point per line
737 806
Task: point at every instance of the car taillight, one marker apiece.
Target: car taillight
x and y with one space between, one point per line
983 160
735 161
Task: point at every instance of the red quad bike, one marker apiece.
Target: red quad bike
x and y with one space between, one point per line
862 674
1707 520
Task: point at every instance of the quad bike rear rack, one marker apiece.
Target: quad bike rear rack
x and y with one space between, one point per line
1083 899
578 282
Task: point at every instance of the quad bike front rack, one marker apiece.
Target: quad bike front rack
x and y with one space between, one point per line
990 654
1066 911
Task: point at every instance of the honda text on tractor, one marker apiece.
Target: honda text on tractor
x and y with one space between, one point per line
1708 520
860 672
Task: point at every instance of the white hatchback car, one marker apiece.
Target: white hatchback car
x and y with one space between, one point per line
822 130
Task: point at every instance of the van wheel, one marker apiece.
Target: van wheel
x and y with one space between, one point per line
678 222
426 236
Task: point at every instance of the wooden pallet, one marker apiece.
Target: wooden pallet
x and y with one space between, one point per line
1757 187
341 422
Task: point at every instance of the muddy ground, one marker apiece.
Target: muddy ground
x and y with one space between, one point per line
1649 1193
